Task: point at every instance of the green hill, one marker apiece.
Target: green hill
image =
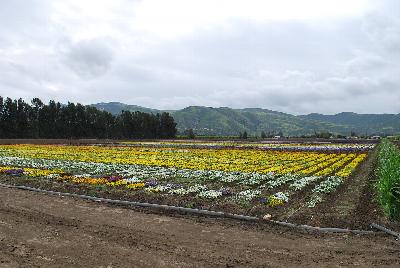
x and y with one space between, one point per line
117 107
228 121
361 123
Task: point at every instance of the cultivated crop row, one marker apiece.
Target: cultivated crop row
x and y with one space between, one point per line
272 177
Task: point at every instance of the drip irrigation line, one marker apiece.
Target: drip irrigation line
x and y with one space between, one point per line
206 212
138 204
386 230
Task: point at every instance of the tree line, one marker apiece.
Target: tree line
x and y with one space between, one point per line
19 119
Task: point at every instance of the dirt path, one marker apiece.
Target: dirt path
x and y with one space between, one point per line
37 230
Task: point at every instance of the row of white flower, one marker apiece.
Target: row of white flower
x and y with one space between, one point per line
271 145
320 190
146 172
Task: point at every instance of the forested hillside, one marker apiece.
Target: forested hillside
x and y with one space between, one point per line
228 121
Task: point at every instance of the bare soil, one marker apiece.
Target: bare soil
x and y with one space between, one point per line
38 230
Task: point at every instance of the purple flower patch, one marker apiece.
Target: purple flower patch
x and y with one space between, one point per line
14 171
263 200
226 191
114 178
151 183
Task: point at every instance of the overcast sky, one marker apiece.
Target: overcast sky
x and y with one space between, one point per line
295 56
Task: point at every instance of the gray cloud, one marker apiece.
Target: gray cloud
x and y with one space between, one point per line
296 66
89 58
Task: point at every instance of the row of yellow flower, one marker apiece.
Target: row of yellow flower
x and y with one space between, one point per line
198 159
60 176
32 172
329 169
349 168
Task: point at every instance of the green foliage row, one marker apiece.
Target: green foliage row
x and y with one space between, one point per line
388 185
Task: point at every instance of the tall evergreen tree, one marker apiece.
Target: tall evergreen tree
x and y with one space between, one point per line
18 119
37 106
167 126
1 116
21 118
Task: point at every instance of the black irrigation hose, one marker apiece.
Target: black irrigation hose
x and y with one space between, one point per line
139 204
199 211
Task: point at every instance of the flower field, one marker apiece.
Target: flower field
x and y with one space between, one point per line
257 174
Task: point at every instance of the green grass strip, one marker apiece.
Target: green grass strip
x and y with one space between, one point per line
388 185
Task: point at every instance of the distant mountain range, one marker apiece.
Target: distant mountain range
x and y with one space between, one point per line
228 121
